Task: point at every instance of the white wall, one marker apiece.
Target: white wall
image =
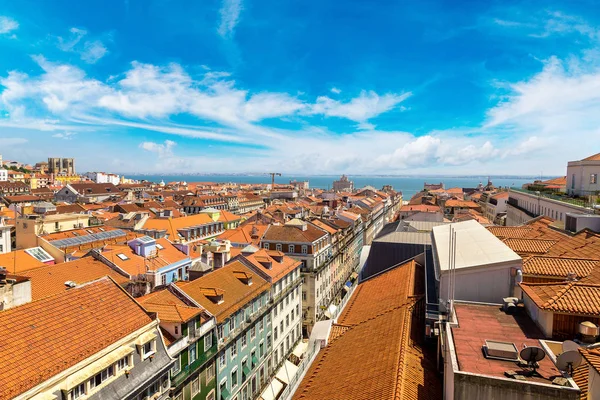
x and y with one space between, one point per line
482 284
543 319
542 206
292 301
3 175
5 241
579 172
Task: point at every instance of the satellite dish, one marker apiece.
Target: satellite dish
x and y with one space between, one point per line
569 345
532 354
568 361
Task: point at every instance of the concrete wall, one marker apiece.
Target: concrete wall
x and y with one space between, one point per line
578 177
538 205
482 284
594 384
543 319
473 386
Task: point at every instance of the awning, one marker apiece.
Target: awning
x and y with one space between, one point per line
246 370
272 391
286 372
347 286
300 349
225 393
254 361
97 366
145 338
354 275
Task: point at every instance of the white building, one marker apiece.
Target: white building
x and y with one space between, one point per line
3 175
523 206
582 176
485 269
5 239
102 177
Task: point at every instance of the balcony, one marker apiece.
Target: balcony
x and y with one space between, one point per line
189 369
248 321
574 201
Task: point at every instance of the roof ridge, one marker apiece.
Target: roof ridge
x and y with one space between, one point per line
558 295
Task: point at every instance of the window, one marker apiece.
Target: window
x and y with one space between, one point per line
253 332
287 320
275 312
232 323
208 341
234 350
234 379
210 372
275 333
292 312
193 355
223 386
572 184
78 391
268 341
123 363
148 349
176 367
211 395
278 247
101 377
222 361
220 332
159 246
291 248
281 327
122 256
304 249
266 246
244 340
260 325
163 279
179 396
195 386
261 349
303 295
594 178
176 329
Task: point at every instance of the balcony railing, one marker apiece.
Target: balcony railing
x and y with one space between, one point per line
580 202
249 320
189 369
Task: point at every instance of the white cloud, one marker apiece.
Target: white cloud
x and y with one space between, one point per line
10 141
64 135
230 16
359 109
90 51
7 25
161 149
335 90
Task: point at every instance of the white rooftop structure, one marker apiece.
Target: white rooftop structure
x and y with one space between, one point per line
475 246
485 268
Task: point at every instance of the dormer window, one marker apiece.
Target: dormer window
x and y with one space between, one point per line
122 256
244 277
213 294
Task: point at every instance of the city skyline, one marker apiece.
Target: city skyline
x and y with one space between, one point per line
240 85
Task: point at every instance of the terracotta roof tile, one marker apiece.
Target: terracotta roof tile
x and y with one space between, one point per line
61 330
559 267
529 246
592 356
372 354
49 280
278 269
18 261
235 292
293 234
569 297
168 307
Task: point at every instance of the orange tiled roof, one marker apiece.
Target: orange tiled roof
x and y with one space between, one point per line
592 356
278 269
372 354
62 330
250 233
18 261
581 377
595 157
50 279
529 246
461 203
171 225
566 297
513 232
169 307
559 267
235 292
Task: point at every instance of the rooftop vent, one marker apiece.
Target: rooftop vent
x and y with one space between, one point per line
500 350
70 284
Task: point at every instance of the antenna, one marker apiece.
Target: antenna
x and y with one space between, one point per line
568 361
532 355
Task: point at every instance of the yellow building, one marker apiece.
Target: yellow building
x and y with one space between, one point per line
66 179
29 227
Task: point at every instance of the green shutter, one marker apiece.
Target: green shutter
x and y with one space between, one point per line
184 329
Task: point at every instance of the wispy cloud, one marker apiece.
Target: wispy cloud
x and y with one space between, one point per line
335 90
7 25
90 51
161 149
230 16
359 109
64 135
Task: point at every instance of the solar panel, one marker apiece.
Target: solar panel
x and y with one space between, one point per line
145 239
94 237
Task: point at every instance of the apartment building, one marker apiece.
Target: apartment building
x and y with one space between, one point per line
29 227
127 361
184 231
582 176
87 193
239 300
190 336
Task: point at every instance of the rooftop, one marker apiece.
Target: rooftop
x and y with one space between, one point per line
50 279
374 351
32 332
475 246
478 323
169 307
566 297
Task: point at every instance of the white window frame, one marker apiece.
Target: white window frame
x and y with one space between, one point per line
234 370
208 336
197 382
278 247
223 360
291 248
304 249
192 347
146 354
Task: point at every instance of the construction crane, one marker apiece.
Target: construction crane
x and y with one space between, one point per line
273 174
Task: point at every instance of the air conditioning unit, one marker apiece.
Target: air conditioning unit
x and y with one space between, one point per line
577 222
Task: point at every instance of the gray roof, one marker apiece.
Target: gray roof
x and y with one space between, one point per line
414 232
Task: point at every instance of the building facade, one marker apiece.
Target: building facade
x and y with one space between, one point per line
343 185
61 166
582 176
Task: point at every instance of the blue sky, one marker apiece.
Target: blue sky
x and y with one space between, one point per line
305 87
